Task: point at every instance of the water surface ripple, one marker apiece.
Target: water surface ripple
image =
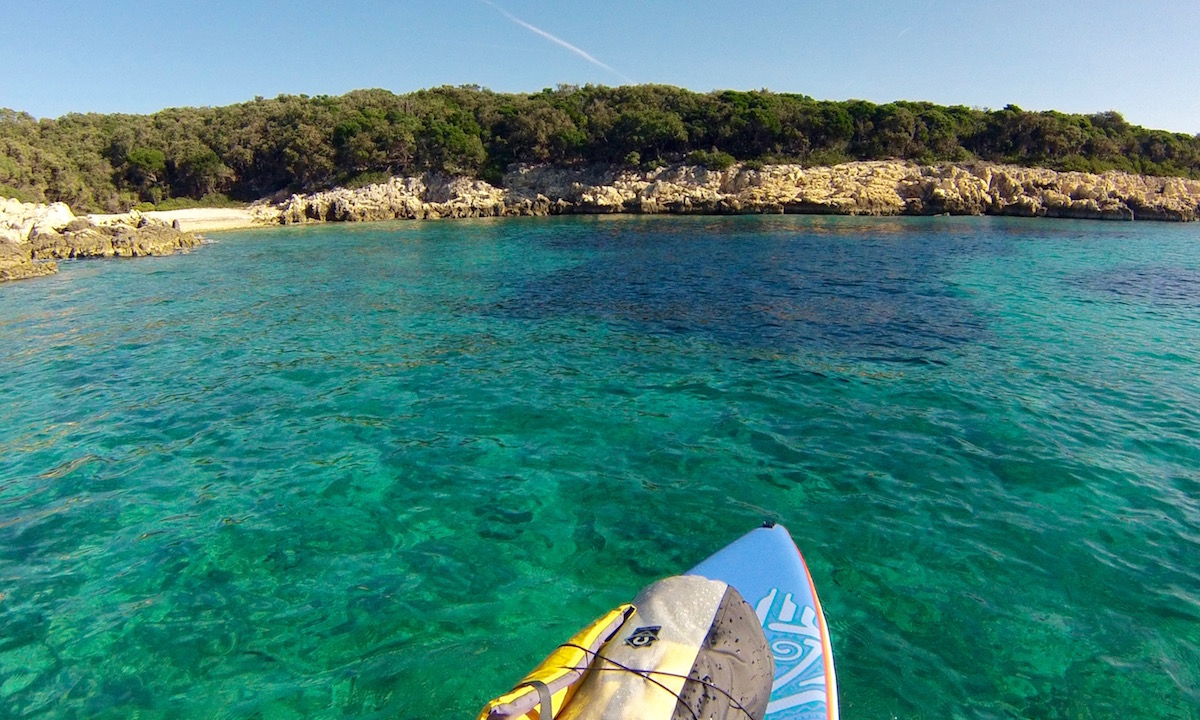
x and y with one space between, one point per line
378 471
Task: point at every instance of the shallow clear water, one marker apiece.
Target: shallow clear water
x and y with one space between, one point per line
379 470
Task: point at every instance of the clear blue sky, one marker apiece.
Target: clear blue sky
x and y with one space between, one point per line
1141 58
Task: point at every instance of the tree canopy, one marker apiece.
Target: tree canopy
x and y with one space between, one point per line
296 142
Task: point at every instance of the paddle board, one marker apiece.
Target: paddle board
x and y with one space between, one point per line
767 569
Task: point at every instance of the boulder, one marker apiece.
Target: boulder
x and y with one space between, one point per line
19 221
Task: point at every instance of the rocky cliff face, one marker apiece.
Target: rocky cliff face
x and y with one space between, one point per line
33 236
866 188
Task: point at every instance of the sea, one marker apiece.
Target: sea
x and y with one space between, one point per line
380 470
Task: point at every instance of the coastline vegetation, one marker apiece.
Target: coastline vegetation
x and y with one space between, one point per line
216 156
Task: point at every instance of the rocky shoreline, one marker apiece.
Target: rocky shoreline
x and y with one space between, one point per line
32 237
863 188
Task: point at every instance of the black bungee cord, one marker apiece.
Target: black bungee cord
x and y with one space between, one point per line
645 675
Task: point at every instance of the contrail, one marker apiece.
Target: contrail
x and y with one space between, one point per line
557 41
910 27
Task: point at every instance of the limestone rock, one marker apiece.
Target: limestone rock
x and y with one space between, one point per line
33 235
18 220
16 263
112 241
860 188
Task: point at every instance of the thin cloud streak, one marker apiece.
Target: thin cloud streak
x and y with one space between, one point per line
558 41
923 12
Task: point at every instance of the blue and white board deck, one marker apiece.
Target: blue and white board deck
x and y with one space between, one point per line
767 569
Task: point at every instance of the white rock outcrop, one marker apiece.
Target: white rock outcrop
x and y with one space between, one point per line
33 235
19 221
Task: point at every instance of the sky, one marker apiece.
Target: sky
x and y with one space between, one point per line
1140 58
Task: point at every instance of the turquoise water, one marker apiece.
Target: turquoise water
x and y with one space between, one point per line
377 471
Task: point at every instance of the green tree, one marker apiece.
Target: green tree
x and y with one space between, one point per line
650 133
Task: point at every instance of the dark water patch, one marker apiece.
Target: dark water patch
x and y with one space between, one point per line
829 286
1153 285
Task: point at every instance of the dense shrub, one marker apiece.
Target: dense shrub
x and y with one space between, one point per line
711 159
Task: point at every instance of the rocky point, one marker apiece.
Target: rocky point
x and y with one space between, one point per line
34 235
